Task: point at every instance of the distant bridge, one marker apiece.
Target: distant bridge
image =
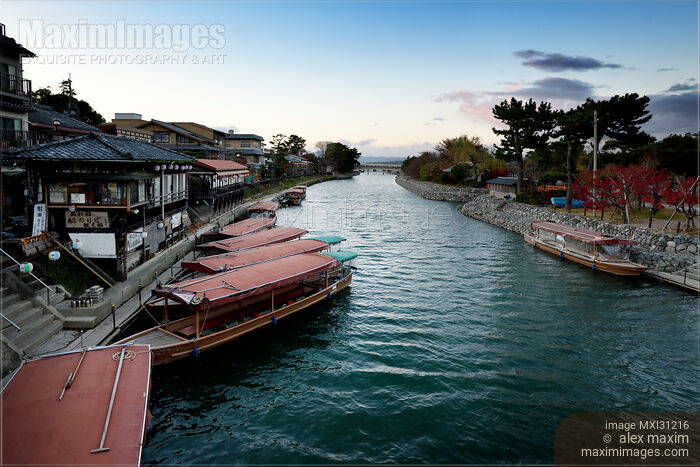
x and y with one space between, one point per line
384 168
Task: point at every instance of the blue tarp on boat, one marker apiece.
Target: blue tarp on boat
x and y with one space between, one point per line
560 202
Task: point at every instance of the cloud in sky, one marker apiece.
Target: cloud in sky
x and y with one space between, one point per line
561 92
556 89
665 69
691 85
675 113
438 119
556 62
363 142
397 152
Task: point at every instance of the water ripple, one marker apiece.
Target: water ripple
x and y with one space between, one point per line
456 344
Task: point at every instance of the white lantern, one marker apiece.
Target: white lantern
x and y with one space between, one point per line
144 234
26 268
161 225
76 244
54 255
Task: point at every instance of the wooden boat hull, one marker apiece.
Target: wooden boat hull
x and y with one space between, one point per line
622 268
180 347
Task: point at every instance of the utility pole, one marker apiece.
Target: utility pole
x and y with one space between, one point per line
595 157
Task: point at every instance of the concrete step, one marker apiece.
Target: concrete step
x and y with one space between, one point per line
22 320
80 322
9 299
79 311
16 308
54 297
30 329
691 275
41 336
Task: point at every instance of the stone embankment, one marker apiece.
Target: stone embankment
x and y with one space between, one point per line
660 251
438 192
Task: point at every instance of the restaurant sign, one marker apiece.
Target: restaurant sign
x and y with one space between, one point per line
87 219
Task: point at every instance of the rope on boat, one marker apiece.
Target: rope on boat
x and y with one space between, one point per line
129 354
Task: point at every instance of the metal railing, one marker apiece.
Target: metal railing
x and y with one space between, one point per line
48 289
13 84
19 138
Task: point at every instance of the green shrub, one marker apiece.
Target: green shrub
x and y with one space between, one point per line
430 172
460 172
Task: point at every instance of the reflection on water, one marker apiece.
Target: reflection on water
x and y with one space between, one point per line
455 343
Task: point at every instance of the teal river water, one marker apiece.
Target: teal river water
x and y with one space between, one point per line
457 343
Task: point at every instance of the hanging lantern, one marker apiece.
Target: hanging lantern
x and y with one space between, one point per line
76 244
54 255
161 225
26 268
144 234
184 216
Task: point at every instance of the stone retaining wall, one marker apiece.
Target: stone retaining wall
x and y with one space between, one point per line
439 192
658 250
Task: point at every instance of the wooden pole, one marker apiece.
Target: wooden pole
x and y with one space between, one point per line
196 325
272 306
679 204
165 311
109 284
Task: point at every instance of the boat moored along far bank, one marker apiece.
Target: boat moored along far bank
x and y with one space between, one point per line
587 247
231 304
87 407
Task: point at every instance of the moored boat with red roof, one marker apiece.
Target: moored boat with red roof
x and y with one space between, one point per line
587 247
231 304
87 407
228 261
265 237
244 227
263 209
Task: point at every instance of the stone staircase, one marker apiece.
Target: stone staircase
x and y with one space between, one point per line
36 324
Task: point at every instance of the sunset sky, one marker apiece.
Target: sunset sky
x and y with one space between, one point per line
390 78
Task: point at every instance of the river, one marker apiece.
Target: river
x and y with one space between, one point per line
456 343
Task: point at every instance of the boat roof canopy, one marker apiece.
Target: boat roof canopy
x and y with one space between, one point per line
264 206
583 235
341 255
330 239
265 237
245 282
248 226
239 259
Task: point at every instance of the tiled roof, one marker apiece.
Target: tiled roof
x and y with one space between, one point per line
503 181
296 159
179 129
45 115
244 136
99 146
244 151
9 45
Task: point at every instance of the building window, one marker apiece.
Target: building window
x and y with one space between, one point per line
245 144
184 139
109 194
161 137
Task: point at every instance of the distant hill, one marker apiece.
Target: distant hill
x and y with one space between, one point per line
380 160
